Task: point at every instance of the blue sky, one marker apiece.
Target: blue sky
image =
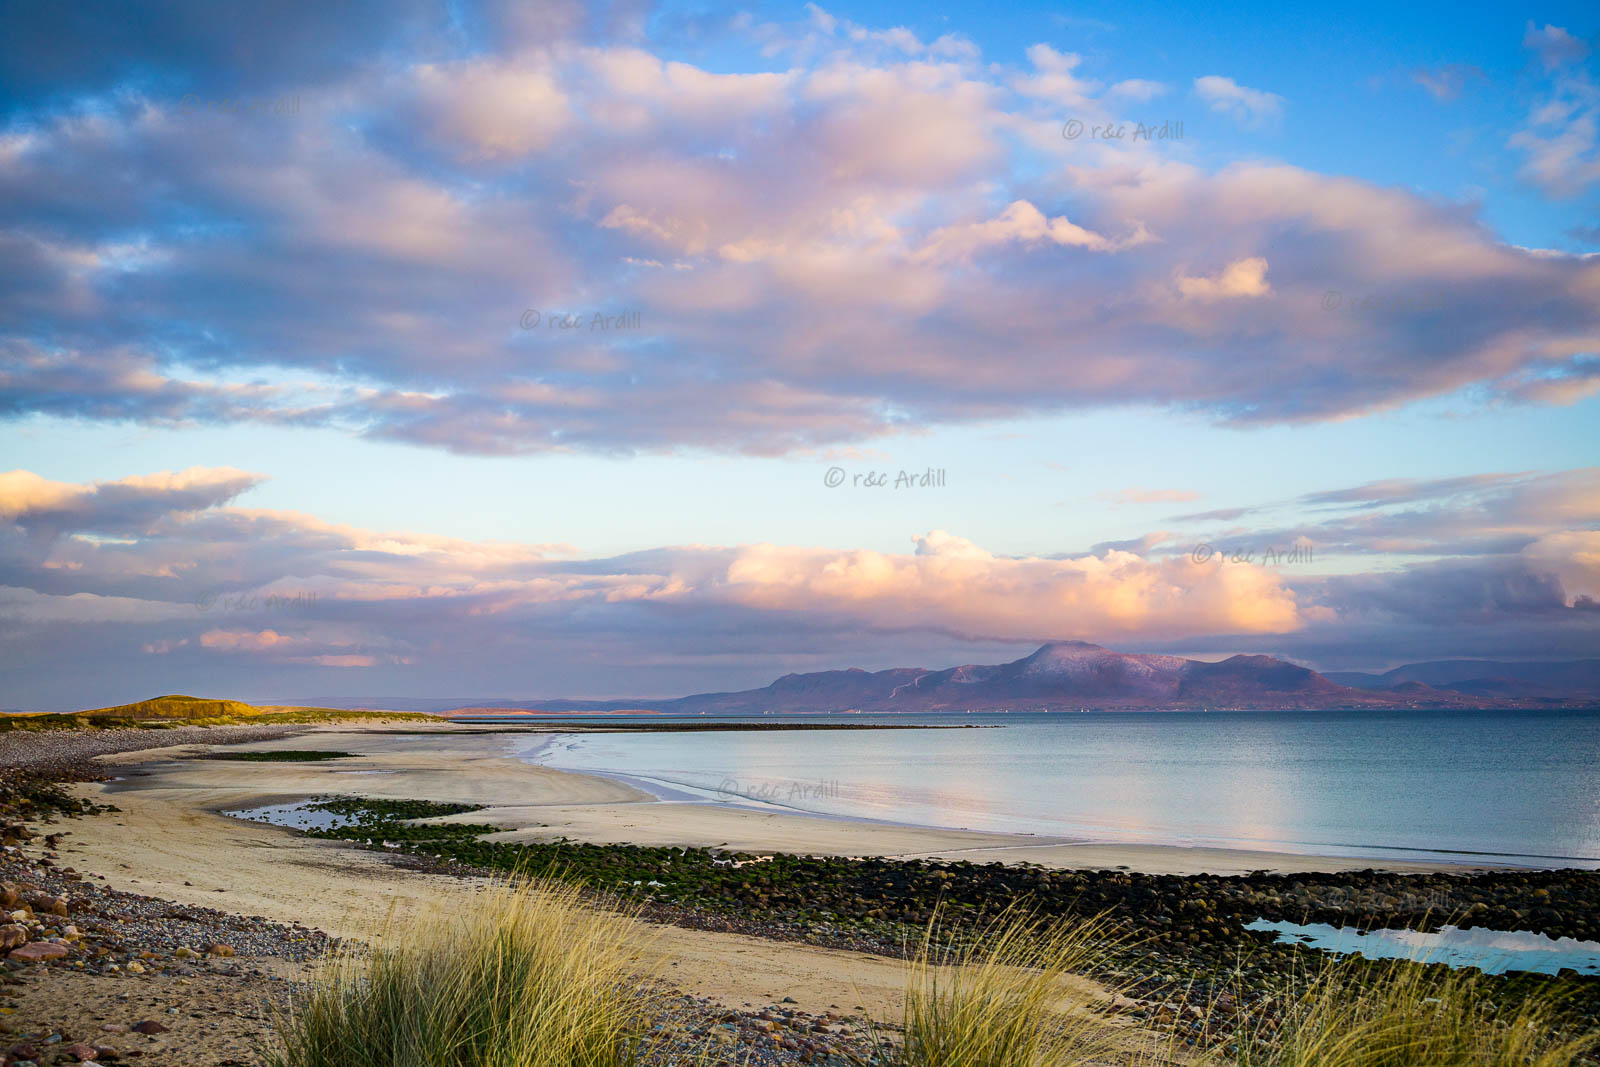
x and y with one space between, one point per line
248 350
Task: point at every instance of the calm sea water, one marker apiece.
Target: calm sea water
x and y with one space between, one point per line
1511 787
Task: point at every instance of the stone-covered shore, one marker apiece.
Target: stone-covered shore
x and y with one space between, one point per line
1182 937
92 975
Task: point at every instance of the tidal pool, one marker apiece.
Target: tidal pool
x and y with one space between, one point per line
1491 951
297 816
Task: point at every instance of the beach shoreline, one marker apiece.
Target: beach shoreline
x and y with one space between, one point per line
827 945
532 802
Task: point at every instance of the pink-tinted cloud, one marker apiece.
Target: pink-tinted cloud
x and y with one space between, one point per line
813 251
1248 107
196 589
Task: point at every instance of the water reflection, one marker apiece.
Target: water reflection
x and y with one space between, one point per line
1491 951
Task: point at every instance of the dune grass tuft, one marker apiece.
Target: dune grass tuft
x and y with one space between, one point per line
1354 1013
523 974
1006 998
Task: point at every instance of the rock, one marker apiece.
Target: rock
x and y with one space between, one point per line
80 1052
12 935
135 967
185 953
150 1026
37 951
219 950
115 1028
44 903
10 895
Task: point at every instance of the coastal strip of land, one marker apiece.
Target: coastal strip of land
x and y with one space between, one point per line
529 802
758 915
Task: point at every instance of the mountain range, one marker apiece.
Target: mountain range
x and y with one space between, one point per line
1073 675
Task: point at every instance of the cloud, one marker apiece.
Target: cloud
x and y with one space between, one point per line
813 246
1246 106
1492 514
1573 556
126 505
1219 515
1053 80
1561 136
1241 278
1139 546
1022 223
1554 46
494 110
260 602
1557 384
1446 82
1138 89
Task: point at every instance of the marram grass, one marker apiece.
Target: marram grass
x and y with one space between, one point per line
1008 999
530 974
523 974
1353 1013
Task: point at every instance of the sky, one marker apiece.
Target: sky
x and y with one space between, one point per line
503 350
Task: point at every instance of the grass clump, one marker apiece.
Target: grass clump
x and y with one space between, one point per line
1356 1013
1006 998
522 975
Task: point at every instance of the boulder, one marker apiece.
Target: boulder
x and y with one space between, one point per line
37 952
44 903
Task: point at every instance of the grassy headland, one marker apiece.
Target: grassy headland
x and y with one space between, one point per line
176 709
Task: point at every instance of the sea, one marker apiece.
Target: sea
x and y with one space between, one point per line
1502 787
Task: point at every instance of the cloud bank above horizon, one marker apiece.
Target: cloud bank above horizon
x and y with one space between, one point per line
167 573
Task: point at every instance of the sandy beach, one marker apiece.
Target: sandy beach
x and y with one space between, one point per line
535 803
170 839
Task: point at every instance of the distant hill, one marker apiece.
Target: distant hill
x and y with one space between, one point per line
175 707
1547 681
1060 676
1069 675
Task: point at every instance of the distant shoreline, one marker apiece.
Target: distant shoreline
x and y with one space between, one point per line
711 727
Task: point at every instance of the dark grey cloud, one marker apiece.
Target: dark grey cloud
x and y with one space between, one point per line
51 53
